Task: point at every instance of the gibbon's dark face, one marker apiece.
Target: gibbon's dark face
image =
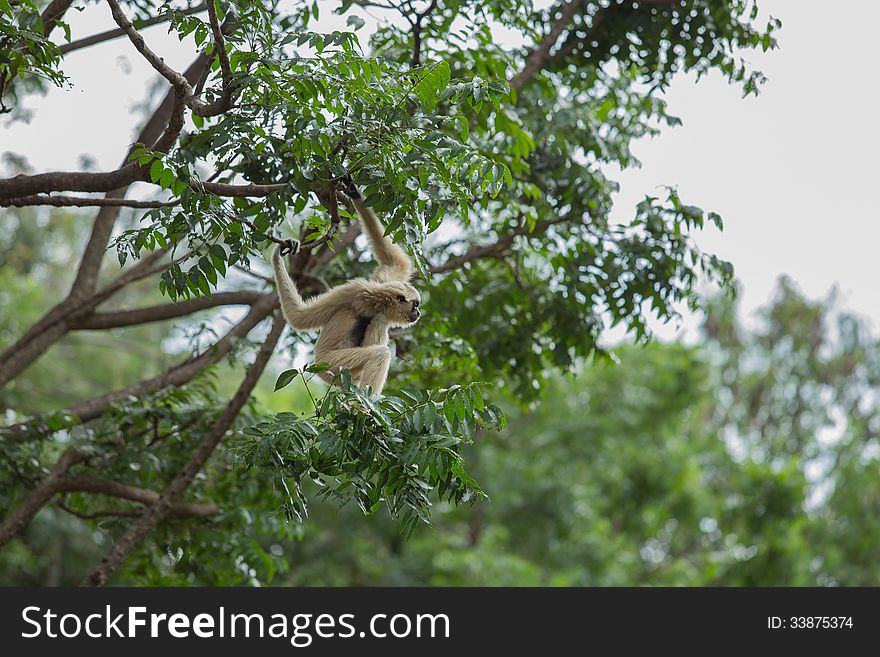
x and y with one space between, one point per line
404 307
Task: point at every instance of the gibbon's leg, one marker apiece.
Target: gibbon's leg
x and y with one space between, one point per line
368 365
375 372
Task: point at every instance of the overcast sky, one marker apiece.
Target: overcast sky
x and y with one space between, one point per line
792 172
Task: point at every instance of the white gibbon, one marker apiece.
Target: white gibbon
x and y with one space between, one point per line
354 317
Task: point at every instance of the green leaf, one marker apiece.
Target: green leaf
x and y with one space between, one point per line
285 378
217 251
432 84
429 415
156 170
208 268
166 178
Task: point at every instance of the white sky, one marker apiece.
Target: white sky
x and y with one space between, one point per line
791 171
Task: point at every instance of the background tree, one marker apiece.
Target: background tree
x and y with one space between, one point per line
650 471
438 125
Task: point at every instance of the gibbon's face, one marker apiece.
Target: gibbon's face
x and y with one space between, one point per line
403 306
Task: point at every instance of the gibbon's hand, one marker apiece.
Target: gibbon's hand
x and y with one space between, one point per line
351 189
289 247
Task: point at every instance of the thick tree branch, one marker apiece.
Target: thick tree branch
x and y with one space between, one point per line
164 311
84 181
538 58
53 13
139 530
45 332
82 202
328 200
38 497
172 132
82 484
80 181
184 372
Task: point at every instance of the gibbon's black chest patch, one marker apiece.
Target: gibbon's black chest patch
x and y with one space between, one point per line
359 332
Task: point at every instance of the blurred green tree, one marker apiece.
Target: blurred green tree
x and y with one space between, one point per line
677 466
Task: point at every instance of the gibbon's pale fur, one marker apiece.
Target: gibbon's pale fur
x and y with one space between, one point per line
354 318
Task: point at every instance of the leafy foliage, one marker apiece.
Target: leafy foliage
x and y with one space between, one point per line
365 449
24 51
676 466
307 120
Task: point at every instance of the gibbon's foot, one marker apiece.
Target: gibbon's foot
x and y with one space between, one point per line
289 247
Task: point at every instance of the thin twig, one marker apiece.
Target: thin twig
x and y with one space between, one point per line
109 35
220 45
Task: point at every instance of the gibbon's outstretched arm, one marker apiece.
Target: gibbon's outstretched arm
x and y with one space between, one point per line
301 315
394 264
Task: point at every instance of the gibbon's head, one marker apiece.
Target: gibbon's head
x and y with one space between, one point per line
400 303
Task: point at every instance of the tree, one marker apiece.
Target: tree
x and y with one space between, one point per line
438 125
675 466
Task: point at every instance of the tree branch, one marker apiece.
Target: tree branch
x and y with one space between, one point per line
328 200
53 13
101 37
79 181
82 202
417 32
98 321
139 530
538 58
38 497
184 372
220 45
83 484
181 85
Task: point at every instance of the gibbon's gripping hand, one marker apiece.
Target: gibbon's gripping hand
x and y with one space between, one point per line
289 247
351 189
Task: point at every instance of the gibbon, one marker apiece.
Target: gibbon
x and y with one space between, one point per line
354 317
